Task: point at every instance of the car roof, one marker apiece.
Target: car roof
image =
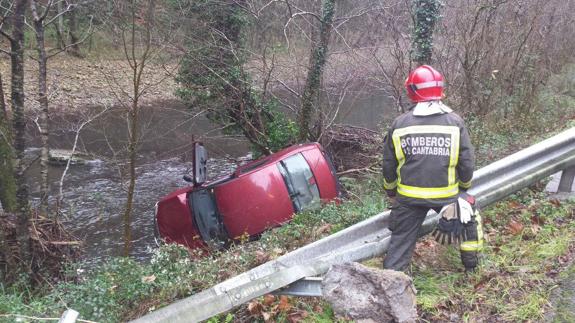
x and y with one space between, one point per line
273 158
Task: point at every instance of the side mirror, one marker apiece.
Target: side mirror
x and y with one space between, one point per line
200 162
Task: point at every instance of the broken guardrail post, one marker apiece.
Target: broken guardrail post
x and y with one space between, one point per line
566 182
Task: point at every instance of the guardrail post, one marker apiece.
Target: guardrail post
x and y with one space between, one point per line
566 182
70 316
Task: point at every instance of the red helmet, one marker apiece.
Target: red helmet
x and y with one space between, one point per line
424 84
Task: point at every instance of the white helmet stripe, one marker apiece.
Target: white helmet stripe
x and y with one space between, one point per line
425 85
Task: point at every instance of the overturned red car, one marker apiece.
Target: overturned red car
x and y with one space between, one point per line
257 196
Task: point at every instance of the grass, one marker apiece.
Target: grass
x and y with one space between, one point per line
518 271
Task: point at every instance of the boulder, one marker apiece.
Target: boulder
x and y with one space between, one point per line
367 294
58 157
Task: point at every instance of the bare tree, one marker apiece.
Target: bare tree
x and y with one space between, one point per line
74 47
87 118
143 42
42 19
43 124
7 182
16 40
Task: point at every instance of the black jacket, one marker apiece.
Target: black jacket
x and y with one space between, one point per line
427 158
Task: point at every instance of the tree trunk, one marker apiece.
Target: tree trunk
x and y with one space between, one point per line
7 181
19 121
60 26
132 159
315 73
7 185
43 122
425 15
74 49
137 64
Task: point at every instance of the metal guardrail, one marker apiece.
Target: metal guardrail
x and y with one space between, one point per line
368 238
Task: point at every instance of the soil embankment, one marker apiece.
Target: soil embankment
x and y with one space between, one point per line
75 83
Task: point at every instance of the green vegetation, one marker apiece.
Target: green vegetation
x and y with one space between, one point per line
425 13
212 77
530 239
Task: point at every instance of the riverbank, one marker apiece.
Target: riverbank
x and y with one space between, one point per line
75 83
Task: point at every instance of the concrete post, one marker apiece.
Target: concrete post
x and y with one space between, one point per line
566 182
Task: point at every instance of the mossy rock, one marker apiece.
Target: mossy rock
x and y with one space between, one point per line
60 157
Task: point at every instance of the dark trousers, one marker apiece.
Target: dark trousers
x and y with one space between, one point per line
405 222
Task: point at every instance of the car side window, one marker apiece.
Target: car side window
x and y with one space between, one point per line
300 182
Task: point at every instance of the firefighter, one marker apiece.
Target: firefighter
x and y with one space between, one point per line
427 159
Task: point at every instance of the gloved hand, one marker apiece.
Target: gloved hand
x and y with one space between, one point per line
465 210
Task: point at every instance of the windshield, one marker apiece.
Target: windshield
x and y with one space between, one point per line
207 218
300 183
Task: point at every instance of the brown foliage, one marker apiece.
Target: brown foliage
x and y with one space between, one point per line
52 246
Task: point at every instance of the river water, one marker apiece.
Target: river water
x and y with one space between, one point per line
94 193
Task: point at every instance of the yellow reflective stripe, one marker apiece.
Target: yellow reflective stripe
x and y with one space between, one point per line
479 225
471 245
453 131
454 158
427 192
465 184
398 154
389 185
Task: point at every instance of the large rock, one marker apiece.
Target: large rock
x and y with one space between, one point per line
58 157
370 295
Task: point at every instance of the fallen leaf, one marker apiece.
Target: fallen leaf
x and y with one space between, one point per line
297 317
262 256
269 299
515 227
323 229
148 279
255 308
284 304
516 205
537 220
555 202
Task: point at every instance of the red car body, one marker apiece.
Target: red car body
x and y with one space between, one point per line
259 195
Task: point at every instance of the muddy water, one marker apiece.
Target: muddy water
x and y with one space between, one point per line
94 194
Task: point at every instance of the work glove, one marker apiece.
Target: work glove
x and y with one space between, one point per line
450 228
465 210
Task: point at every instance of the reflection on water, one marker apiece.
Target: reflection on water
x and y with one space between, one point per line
94 194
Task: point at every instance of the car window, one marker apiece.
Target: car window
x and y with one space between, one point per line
300 182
